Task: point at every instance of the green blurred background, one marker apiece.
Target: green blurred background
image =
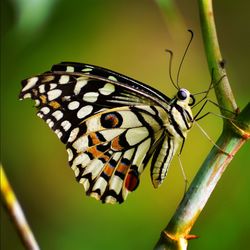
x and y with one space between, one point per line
129 37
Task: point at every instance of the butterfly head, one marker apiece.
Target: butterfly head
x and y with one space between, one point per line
185 98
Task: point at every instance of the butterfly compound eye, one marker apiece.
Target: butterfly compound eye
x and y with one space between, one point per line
182 94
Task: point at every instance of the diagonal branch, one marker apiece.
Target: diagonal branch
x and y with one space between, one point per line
234 135
16 213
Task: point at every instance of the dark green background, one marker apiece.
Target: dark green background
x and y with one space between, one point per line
129 37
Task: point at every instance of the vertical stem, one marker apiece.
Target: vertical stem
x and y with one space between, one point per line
215 61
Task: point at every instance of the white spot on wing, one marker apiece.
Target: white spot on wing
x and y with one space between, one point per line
117 156
73 105
112 78
52 86
84 111
51 124
53 94
85 183
70 69
81 144
87 70
37 102
64 79
39 115
107 89
110 134
130 119
66 125
27 95
95 195
136 135
58 133
30 83
90 96
70 154
116 184
76 171
140 153
73 134
81 82
101 184
45 110
58 115
82 159
41 88
95 167
110 199
93 124
48 121
66 98
129 153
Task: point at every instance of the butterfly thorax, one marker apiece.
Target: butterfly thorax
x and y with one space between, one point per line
180 117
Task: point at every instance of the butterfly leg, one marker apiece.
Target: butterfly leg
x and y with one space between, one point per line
208 137
181 166
214 103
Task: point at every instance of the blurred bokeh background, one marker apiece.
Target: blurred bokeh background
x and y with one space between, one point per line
129 37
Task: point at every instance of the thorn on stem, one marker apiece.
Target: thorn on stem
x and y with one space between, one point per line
222 63
191 237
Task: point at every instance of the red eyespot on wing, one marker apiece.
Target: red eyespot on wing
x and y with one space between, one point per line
132 180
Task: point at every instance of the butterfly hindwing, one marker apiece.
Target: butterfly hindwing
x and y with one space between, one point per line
110 155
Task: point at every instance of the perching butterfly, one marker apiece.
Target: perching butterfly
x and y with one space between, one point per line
111 125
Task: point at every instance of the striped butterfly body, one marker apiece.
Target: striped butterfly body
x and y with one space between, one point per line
111 125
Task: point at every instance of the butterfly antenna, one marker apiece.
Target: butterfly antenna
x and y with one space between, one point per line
170 68
184 55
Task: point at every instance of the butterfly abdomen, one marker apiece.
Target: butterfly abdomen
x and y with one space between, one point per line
177 124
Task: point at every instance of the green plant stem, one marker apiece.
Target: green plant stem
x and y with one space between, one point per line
215 61
235 133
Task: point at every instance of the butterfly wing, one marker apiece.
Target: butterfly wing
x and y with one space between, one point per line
110 124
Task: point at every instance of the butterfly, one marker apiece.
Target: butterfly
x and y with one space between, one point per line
111 125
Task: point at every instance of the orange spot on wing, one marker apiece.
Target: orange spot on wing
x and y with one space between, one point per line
113 119
94 138
115 145
108 170
54 104
105 158
123 168
43 99
96 153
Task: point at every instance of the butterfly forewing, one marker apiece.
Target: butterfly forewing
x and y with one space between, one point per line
111 125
